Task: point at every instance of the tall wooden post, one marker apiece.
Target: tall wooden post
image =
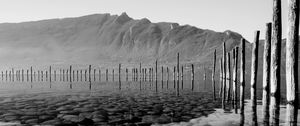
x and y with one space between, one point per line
178 74
22 75
63 74
213 75
174 76
192 77
292 56
94 74
224 76
126 74
85 73
41 76
59 74
50 73
275 63
242 80
266 75
119 76
221 79
235 101
31 74
106 75
156 75
70 73
140 74
168 77
54 75
99 75
182 73
27 75
113 74
80 75
228 78
254 67
162 77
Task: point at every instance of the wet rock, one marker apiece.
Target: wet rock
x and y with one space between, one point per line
149 118
71 118
32 121
163 119
51 122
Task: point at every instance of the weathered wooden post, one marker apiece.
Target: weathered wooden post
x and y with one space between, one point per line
54 75
85 73
42 75
80 75
9 75
46 75
50 74
174 76
182 77
242 80
31 74
2 75
6 74
126 74
235 82
168 77
63 74
12 74
38 75
67 75
90 68
119 72
99 75
94 74
213 74
162 77
106 75
266 75
254 67
292 53
77 76
228 77
156 75
204 77
113 74
192 77
150 74
275 63
143 75
73 75
22 75
178 74
224 76
27 75
221 79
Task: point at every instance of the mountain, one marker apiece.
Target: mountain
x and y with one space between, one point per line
104 39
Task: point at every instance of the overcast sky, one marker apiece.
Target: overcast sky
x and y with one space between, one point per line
242 16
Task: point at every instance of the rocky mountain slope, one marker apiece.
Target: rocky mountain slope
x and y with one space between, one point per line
107 39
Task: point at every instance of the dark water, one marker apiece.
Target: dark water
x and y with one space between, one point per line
103 103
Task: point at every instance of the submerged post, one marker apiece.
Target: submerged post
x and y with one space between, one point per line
292 59
178 74
235 101
106 75
192 77
224 76
213 74
242 80
228 77
254 67
50 73
266 75
275 63
221 79
156 75
162 76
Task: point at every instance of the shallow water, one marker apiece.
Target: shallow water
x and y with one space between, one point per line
103 103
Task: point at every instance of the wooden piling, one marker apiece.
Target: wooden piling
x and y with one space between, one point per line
99 75
31 74
266 75
228 78
192 77
94 74
50 74
242 79
156 75
106 75
119 76
90 68
126 74
213 74
235 83
80 75
168 77
85 77
254 68
174 76
63 74
178 74
182 73
162 76
221 79
224 76
113 74
275 63
292 53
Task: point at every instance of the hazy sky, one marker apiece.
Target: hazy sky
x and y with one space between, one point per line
242 16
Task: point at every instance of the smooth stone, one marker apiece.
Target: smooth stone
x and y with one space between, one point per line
31 121
72 118
69 112
163 119
11 118
51 122
149 118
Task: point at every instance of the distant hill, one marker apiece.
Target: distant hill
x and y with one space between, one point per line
106 39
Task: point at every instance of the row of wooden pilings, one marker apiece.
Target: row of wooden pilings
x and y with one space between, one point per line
271 71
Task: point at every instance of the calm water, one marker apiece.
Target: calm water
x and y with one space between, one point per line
103 103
